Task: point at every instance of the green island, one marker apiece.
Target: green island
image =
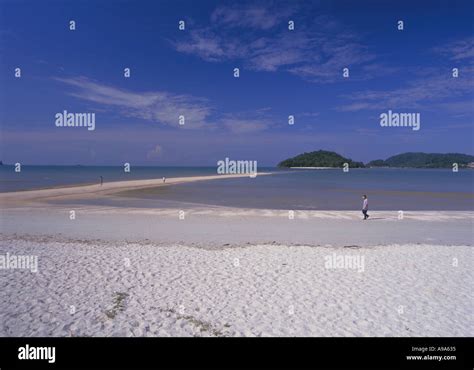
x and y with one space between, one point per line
328 159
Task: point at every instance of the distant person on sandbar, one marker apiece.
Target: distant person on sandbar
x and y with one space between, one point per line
164 179
365 206
101 180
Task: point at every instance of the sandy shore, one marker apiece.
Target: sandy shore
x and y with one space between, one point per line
219 226
97 190
90 288
217 271
222 272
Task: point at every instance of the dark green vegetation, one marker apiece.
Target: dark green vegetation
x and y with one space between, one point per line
323 158
320 158
424 160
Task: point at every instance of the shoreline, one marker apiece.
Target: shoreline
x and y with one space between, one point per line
220 226
108 188
153 193
47 212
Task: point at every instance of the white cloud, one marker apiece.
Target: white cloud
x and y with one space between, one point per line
244 126
157 106
256 15
436 87
165 108
458 50
209 46
317 50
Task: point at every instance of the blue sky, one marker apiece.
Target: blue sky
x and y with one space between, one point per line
190 73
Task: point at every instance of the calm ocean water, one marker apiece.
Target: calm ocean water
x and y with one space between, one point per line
38 177
388 189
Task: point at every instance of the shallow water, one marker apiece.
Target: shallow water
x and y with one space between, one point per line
38 177
387 189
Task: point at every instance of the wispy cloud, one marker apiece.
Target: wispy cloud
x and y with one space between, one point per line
157 106
416 94
165 108
257 35
331 57
244 123
256 15
459 50
431 87
210 46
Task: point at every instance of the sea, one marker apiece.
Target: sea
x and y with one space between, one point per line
285 189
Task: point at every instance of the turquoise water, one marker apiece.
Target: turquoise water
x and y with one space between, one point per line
388 189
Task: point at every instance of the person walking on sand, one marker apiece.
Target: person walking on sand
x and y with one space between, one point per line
101 180
365 206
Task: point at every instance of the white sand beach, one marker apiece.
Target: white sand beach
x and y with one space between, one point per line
217 271
89 288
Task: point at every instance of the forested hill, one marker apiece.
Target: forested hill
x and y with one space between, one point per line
324 158
320 158
424 160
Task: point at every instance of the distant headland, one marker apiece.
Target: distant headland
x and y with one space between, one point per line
328 159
